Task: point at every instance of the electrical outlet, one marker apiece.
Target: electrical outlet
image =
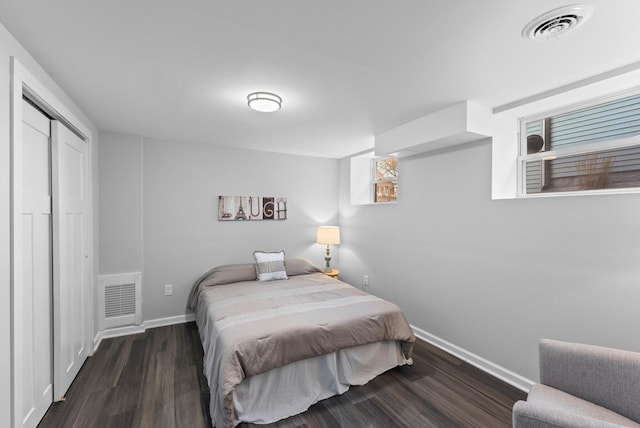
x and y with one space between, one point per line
168 290
365 281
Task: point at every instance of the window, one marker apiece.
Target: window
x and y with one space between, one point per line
373 179
385 180
594 146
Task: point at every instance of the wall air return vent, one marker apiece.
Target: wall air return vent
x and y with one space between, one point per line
120 300
557 22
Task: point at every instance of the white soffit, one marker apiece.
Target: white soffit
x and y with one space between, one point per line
588 89
458 124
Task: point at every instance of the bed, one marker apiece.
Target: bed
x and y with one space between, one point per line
274 347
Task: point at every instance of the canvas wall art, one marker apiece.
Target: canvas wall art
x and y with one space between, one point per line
233 208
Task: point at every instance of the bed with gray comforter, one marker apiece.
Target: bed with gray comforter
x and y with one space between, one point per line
249 327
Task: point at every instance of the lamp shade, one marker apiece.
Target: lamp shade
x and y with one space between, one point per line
328 235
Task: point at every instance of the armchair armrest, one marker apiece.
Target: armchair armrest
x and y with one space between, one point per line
542 415
607 377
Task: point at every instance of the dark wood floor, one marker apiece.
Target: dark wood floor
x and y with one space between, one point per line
155 380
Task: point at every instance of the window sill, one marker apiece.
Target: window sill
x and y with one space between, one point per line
377 203
626 191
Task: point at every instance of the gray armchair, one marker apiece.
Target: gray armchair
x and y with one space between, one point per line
582 386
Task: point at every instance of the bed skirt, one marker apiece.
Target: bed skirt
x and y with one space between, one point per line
292 389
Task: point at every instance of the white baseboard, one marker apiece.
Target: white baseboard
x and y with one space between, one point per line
178 319
135 329
116 332
483 364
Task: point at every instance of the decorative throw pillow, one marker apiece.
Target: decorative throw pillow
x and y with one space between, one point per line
270 266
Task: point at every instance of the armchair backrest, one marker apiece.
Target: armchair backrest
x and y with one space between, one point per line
607 377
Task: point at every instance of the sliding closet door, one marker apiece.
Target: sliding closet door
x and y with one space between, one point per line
70 163
33 296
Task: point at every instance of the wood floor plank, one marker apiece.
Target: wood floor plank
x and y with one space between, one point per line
411 407
444 387
155 379
460 404
467 373
384 413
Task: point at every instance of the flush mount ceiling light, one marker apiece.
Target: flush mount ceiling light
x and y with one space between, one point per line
557 22
264 101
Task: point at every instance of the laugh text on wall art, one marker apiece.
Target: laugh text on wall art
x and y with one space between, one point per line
232 208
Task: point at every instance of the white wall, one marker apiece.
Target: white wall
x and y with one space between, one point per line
496 276
182 237
9 46
120 203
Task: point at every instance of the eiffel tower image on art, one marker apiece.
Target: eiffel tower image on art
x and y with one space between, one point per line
240 215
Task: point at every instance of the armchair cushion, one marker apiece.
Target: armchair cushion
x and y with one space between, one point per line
549 407
603 376
582 386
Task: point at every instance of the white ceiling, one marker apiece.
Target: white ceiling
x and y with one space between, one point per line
346 69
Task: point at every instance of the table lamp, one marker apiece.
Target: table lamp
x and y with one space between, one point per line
328 235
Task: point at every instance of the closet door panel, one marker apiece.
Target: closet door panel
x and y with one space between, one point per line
33 296
70 285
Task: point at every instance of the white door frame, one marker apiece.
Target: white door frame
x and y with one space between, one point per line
23 83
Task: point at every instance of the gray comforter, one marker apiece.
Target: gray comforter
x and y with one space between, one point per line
250 327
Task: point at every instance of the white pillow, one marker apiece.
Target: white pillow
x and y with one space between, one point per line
270 266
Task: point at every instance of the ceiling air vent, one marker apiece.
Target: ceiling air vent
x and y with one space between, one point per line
557 22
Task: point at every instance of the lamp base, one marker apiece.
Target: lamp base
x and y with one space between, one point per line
327 258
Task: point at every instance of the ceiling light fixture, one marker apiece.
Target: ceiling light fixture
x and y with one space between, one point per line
557 22
264 101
